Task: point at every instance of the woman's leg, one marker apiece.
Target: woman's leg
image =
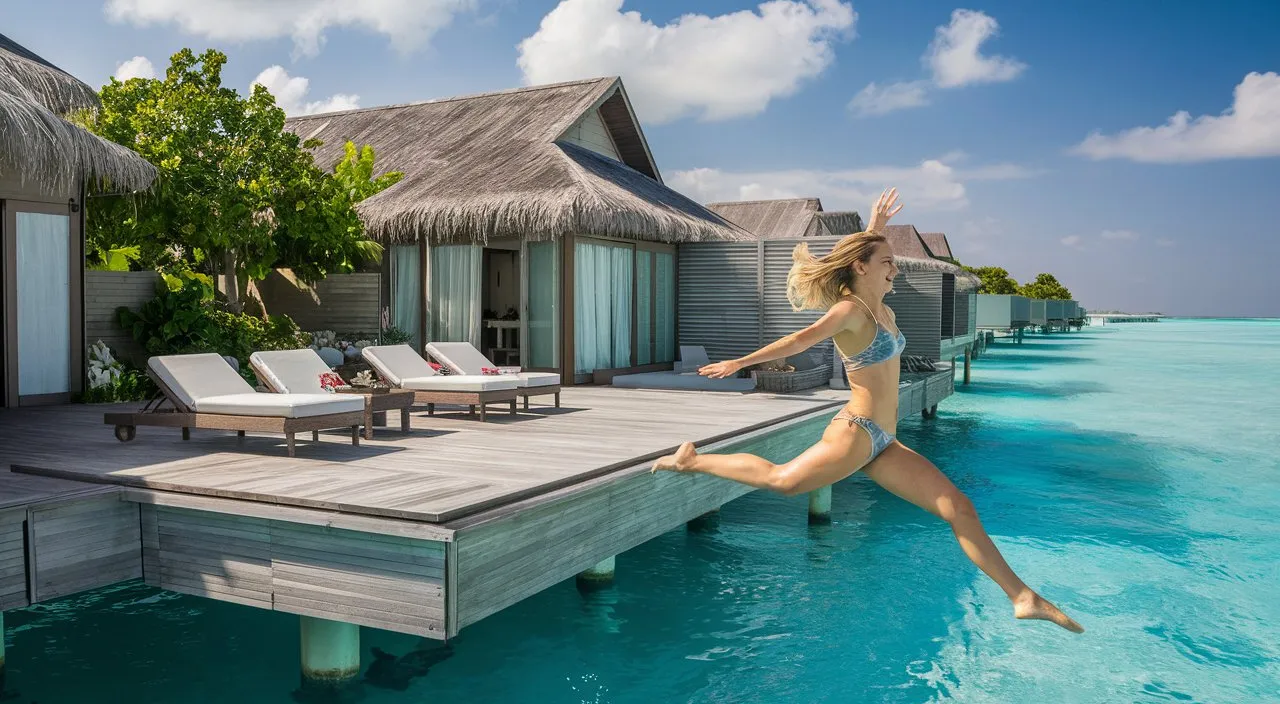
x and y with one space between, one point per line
910 476
840 452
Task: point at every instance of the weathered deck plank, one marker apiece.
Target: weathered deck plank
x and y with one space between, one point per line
446 469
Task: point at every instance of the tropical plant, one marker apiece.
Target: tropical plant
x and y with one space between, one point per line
1045 286
111 380
994 279
236 193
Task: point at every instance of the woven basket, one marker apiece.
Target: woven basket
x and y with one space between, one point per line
788 382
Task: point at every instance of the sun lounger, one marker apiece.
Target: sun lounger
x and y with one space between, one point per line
463 358
685 376
303 371
403 368
205 392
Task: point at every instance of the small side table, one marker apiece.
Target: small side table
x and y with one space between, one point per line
376 404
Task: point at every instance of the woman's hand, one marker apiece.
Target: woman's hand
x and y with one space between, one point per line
720 370
883 210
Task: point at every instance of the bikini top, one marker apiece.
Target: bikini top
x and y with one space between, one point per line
883 346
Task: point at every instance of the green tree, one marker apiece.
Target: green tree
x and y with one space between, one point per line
994 279
1045 286
237 194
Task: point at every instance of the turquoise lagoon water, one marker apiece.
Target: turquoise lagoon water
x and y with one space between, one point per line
1129 472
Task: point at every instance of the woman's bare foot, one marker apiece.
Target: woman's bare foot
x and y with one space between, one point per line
1033 606
682 461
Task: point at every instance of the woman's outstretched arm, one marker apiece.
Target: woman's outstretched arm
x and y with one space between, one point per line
836 319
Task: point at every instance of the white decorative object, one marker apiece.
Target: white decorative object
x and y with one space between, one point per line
104 370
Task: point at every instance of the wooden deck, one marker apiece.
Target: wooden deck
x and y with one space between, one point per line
423 533
447 467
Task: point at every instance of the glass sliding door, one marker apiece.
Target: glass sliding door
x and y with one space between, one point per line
453 310
603 279
406 291
42 318
542 277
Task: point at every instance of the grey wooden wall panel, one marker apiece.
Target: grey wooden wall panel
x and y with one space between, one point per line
718 297
917 306
947 321
382 581
82 544
348 303
13 559
104 292
779 319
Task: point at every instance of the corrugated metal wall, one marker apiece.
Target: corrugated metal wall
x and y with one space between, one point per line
947 329
779 319
917 304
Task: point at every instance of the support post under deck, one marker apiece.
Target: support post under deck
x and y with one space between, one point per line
599 576
820 505
330 660
968 354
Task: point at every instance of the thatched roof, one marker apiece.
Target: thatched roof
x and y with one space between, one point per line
938 245
41 147
912 254
497 165
787 218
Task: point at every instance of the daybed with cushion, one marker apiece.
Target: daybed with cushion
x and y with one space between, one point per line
403 368
463 358
685 377
205 392
304 371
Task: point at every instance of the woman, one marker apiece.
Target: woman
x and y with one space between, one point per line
850 284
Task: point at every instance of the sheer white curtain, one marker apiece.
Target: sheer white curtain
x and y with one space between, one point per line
602 306
406 291
43 243
454 312
664 308
644 307
542 278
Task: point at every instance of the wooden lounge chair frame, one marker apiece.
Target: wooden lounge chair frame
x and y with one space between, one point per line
154 413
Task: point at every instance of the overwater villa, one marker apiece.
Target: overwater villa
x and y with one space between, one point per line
788 218
537 214
46 167
1006 313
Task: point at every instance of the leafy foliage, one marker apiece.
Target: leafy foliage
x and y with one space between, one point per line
994 279
1045 286
185 318
232 180
130 385
395 336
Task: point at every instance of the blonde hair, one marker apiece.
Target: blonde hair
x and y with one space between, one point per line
817 283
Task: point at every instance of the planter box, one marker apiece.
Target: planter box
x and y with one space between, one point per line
788 382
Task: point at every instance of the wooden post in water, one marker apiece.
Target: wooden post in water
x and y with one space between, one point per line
968 354
820 505
2 664
599 576
330 660
707 521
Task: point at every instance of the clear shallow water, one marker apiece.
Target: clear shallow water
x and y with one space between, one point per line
1129 472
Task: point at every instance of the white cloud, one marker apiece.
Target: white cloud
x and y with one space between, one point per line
955 54
291 94
1163 242
954 59
1119 235
714 68
878 100
1249 128
137 67
933 184
1073 240
408 23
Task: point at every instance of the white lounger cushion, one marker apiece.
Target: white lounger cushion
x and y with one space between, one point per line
192 377
459 382
401 366
281 405
290 371
464 358
205 383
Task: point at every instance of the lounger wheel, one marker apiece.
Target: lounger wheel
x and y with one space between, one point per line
125 433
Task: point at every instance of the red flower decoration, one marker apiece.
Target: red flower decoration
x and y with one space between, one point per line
434 366
489 371
331 380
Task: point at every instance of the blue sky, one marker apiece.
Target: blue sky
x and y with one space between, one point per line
980 114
